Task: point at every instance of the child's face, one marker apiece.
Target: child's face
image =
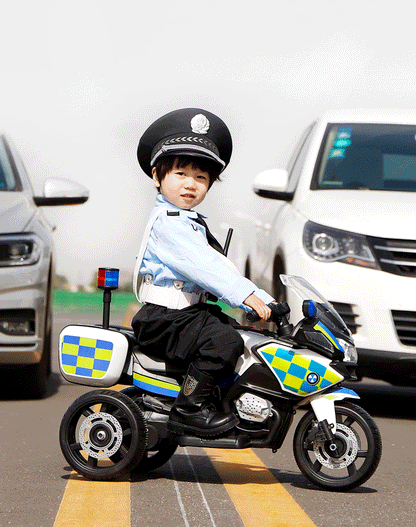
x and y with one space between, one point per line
183 187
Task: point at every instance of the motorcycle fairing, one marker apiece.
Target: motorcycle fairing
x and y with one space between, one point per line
299 373
319 326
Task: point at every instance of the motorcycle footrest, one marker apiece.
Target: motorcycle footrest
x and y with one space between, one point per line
221 442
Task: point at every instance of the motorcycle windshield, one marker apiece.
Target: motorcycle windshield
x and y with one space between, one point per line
305 291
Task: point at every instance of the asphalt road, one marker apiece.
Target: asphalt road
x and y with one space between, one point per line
196 488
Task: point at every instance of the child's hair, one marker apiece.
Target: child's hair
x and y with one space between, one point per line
166 164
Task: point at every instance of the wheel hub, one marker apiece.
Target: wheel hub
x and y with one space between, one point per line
100 435
347 449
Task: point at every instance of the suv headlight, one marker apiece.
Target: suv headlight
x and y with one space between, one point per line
332 245
350 352
19 249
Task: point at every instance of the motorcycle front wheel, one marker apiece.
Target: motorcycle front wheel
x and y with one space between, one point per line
358 454
103 435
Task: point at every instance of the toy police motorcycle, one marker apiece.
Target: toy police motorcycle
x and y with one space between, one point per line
106 434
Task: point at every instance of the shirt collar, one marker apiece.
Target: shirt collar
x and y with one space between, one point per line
161 201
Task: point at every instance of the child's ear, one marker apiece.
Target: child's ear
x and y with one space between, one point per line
154 177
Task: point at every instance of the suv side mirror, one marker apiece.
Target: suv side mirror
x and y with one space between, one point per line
59 191
273 184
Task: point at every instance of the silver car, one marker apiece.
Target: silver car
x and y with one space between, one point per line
26 271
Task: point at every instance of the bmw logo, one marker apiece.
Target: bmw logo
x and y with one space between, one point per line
312 378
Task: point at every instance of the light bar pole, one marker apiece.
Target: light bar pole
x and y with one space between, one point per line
107 281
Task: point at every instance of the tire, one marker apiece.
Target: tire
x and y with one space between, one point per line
103 443
164 449
34 377
357 436
158 456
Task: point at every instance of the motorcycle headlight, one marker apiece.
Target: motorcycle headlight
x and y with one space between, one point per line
331 245
350 352
19 249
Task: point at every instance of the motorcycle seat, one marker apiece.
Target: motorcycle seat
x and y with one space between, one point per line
155 364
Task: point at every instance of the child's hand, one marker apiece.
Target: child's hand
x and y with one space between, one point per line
262 309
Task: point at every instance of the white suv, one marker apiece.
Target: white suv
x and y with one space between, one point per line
343 215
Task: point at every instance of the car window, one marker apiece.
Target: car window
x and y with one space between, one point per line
8 180
295 167
368 157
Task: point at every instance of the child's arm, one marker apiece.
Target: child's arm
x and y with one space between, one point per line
177 244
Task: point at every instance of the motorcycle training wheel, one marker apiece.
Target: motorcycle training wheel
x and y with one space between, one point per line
160 453
359 449
103 435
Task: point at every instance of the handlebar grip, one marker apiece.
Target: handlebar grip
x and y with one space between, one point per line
279 310
252 316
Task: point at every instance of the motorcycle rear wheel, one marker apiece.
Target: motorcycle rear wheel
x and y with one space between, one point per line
359 449
162 451
103 435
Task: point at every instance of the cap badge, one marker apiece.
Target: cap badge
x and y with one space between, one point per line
199 124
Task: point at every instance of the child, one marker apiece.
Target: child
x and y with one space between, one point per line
180 261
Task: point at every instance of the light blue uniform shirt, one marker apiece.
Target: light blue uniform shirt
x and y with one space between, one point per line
177 249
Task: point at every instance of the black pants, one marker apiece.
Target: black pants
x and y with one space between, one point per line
201 334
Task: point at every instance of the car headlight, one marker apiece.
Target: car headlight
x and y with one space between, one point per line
19 249
332 245
350 351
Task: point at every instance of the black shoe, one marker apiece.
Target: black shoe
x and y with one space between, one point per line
192 413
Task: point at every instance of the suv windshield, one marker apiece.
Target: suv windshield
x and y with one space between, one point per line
7 177
368 157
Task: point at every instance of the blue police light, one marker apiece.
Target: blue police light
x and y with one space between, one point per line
309 309
107 278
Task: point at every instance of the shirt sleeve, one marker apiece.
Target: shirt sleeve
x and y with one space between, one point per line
185 250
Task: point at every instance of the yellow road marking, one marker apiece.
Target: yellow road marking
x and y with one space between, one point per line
94 503
257 495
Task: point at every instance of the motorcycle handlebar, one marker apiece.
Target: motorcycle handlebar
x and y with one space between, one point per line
252 316
279 310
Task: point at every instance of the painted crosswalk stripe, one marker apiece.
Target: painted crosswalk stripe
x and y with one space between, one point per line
94 503
257 495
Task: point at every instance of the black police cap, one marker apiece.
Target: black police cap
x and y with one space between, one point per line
189 131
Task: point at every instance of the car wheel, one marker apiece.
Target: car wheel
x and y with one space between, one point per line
34 377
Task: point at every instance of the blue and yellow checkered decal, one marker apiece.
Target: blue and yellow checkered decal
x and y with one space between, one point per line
86 357
155 386
297 373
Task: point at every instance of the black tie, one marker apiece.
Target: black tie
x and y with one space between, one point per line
212 241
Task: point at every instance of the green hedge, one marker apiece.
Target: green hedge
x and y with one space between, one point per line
66 301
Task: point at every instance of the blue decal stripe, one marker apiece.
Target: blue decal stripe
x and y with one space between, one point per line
328 333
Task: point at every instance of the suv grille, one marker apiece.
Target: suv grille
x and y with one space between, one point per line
405 323
347 314
395 256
